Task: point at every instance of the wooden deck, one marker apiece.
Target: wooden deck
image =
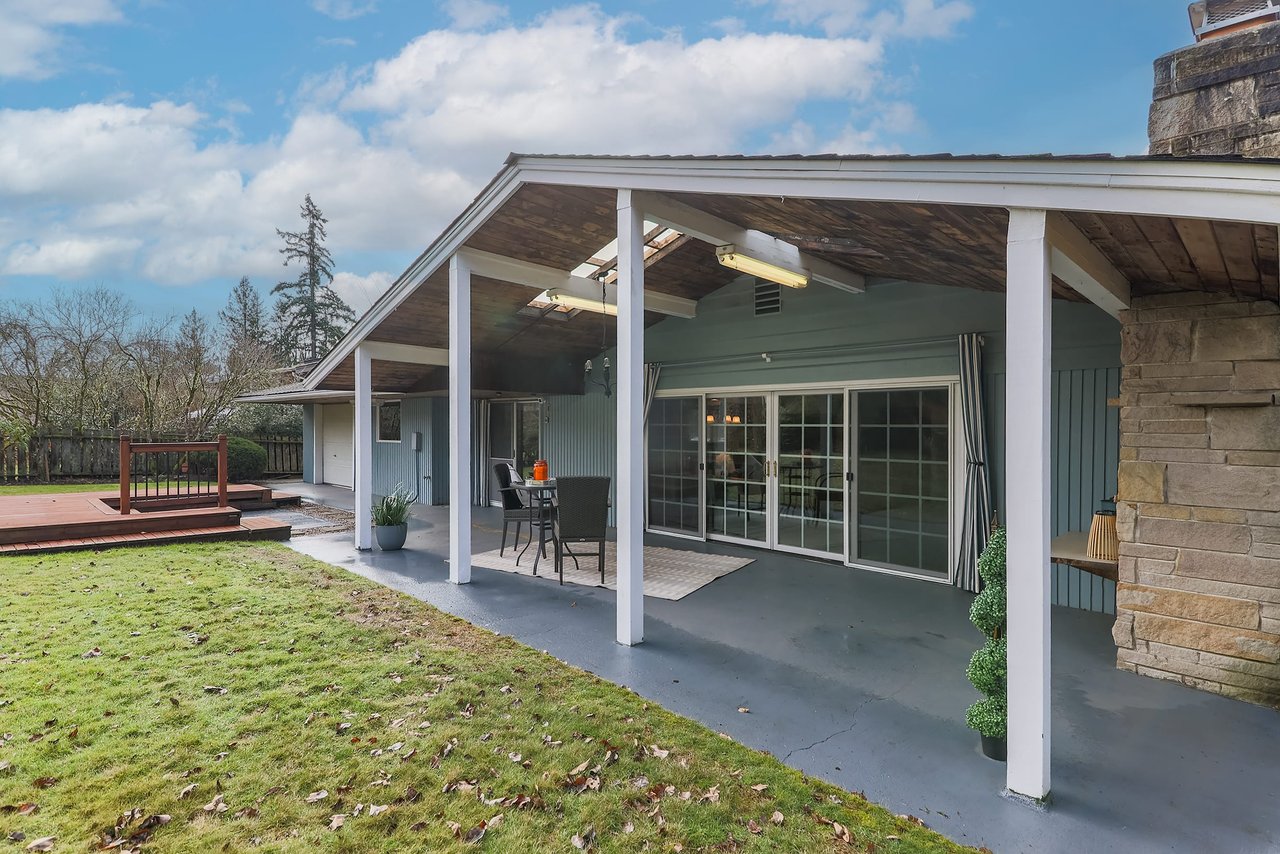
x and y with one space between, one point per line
91 520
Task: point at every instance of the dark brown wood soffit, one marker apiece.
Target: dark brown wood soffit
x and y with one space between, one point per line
950 245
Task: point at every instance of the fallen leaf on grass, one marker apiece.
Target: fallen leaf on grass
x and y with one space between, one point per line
214 689
215 805
93 653
777 817
17 836
336 821
658 751
375 809
759 787
44 782
186 791
583 767
248 812
910 819
317 796
712 795
842 833
585 840
44 843
754 827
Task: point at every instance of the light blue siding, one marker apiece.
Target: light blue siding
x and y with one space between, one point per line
439 432
396 462
580 436
308 442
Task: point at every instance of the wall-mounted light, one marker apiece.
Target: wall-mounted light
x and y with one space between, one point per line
729 256
661 303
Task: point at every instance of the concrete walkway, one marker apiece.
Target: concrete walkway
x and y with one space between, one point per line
858 678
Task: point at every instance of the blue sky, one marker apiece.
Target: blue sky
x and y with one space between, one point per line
153 145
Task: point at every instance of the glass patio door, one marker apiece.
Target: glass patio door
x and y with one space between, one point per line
674 461
901 487
736 468
809 473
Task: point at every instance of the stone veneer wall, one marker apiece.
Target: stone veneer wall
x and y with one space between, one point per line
1198 511
1221 96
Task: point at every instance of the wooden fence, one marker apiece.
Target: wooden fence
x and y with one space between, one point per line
96 456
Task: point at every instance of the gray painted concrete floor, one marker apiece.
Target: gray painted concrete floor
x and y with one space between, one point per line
858 678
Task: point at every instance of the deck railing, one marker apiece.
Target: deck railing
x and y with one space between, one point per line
154 471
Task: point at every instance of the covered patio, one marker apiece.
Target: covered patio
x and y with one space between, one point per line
858 678
1038 255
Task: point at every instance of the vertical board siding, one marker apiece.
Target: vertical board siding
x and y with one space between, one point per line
579 437
438 449
397 463
309 440
1085 449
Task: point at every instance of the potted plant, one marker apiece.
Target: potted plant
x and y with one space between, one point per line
988 669
391 518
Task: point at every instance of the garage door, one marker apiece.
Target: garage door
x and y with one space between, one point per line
338 444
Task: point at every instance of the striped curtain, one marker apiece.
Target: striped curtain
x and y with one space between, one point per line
480 453
652 370
976 525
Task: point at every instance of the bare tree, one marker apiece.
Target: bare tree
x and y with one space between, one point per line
86 327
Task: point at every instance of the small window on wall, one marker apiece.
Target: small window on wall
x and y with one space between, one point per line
389 422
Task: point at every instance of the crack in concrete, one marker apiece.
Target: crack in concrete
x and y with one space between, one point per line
853 717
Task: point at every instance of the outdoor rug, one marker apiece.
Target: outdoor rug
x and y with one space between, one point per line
668 573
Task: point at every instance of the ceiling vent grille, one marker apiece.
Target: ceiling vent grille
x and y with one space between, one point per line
768 298
1210 16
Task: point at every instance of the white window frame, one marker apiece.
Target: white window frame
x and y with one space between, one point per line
377 421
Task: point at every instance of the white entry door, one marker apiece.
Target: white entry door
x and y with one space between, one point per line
339 445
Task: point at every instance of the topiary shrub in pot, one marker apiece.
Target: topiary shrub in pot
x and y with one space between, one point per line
391 518
246 460
988 669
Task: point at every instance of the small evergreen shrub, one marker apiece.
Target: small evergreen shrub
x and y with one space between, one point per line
246 460
988 668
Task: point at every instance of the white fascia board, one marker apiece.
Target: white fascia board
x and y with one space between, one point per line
437 255
1228 191
387 351
719 232
545 278
1075 260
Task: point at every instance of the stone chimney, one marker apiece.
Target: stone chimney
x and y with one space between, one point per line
1220 96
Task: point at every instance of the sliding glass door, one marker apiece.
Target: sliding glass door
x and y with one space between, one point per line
674 455
864 475
809 473
900 494
737 492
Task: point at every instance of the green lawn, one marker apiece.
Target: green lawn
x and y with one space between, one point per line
257 697
50 488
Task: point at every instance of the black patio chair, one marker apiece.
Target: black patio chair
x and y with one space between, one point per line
514 508
582 517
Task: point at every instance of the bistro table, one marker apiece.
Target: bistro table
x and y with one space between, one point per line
539 497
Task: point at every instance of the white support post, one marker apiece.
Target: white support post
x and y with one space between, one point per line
1029 336
362 416
630 393
459 420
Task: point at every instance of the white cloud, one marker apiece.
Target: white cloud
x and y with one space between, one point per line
359 292
573 82
474 14
394 151
339 41
904 18
32 44
344 10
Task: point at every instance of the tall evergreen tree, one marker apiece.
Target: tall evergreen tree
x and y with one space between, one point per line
311 316
243 319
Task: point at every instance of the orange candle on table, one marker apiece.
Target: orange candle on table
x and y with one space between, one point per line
540 470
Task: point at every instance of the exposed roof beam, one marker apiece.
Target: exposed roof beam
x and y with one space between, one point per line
387 351
1075 260
544 278
719 232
